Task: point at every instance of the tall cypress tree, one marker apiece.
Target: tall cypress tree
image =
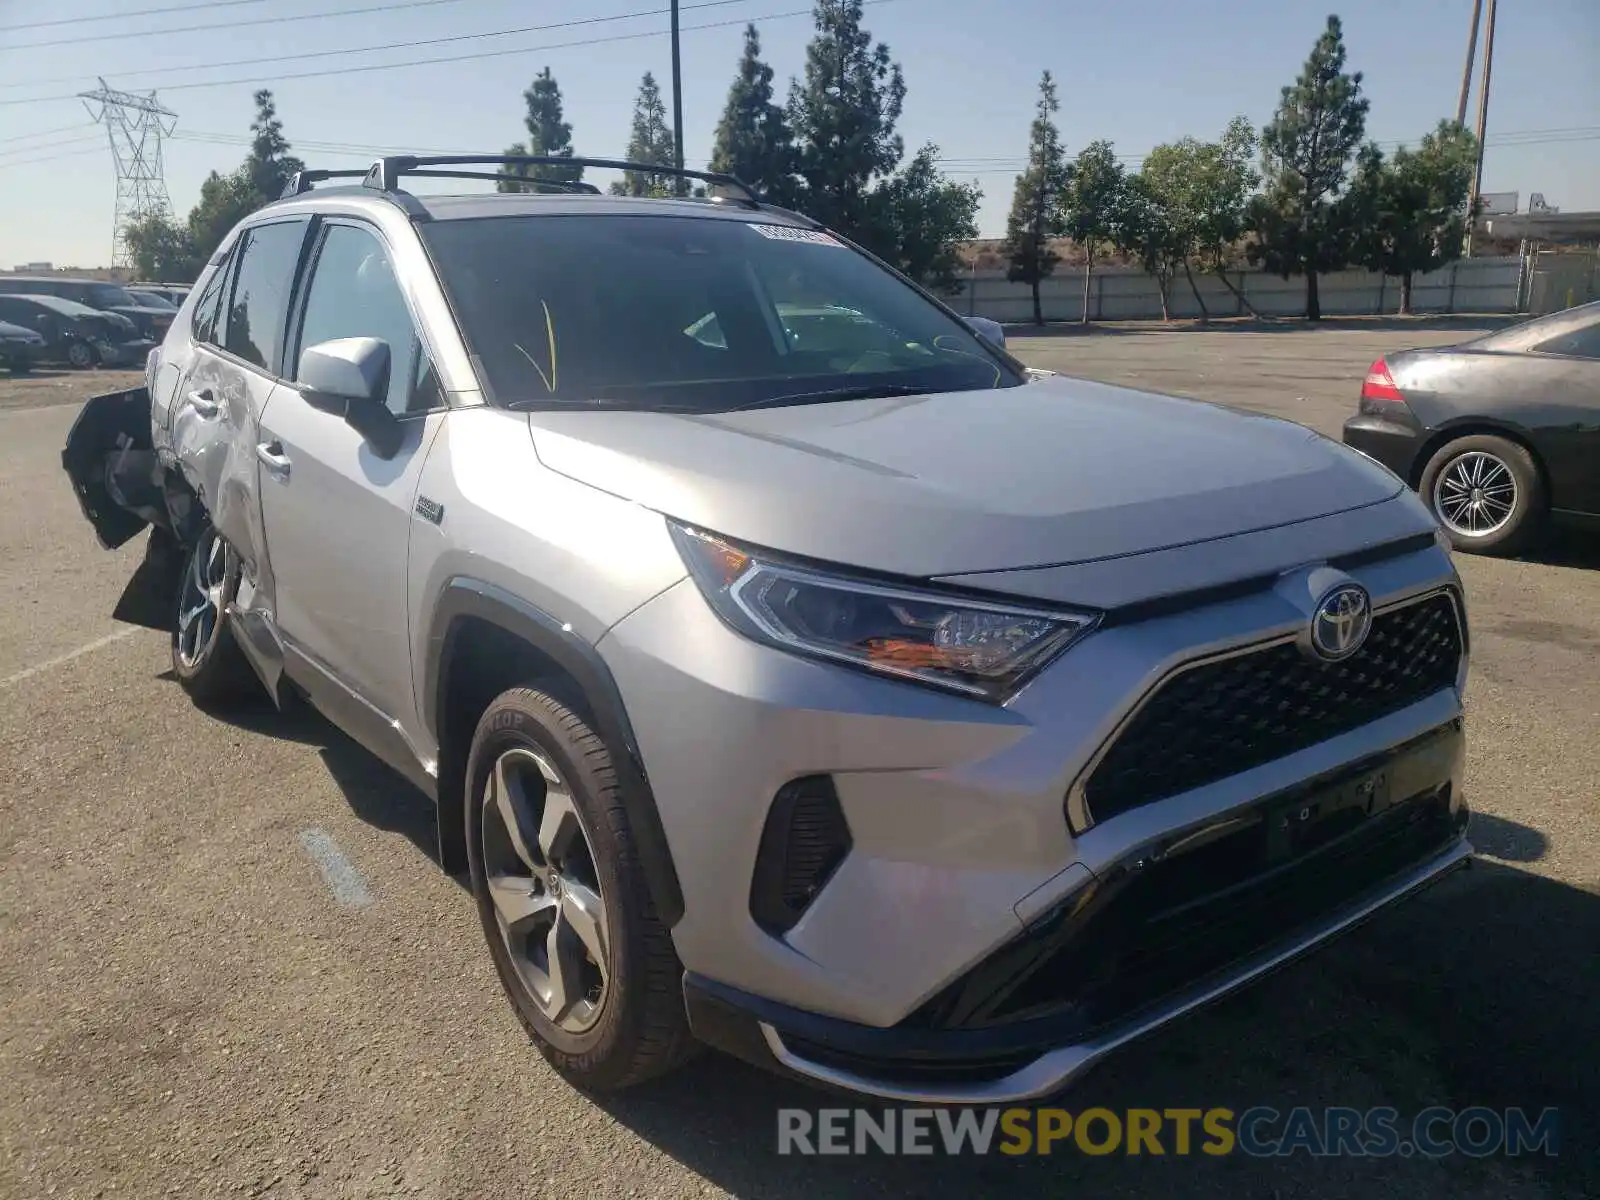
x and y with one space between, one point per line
753 138
844 116
1305 157
650 142
1036 201
548 134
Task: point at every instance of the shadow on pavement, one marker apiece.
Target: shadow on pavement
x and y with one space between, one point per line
1479 992
376 793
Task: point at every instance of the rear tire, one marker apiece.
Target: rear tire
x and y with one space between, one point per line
206 659
1486 493
587 964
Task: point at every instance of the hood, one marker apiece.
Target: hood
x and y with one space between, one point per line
19 333
1052 472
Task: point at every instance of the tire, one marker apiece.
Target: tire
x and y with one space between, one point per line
82 355
616 1017
206 659
1487 494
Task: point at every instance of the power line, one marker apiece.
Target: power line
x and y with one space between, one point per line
28 162
28 137
321 16
51 147
189 69
142 12
456 58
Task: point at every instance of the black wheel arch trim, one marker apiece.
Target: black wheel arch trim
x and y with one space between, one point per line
463 597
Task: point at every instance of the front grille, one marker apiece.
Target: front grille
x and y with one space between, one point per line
1227 716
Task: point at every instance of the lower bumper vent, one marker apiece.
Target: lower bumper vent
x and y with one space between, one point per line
805 840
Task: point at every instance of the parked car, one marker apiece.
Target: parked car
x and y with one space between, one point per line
152 299
77 334
152 322
868 706
1500 435
173 293
20 348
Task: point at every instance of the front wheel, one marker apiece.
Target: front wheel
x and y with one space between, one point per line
82 355
584 959
1487 493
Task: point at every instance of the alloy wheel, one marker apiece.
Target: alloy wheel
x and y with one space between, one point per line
538 863
201 599
1475 494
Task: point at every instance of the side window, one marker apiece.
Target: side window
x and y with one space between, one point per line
354 293
1578 343
258 305
208 307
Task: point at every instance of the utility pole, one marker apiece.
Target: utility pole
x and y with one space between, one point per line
135 125
677 104
1483 124
1466 71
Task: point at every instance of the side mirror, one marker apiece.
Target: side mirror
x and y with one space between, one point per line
350 378
990 331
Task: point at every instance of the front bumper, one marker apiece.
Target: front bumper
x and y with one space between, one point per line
20 355
1391 440
1023 1062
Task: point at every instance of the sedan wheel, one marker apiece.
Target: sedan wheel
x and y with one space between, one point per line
82 355
539 866
1475 494
1486 493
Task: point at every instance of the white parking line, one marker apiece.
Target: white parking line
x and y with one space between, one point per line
69 655
338 872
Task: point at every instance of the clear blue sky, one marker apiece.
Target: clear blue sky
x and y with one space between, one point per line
1139 72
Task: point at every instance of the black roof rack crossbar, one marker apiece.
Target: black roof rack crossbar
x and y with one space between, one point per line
554 185
302 180
386 172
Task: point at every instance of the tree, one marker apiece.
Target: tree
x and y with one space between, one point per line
548 135
1305 154
1409 214
650 142
225 200
1092 206
1154 231
269 165
921 218
1204 190
753 140
1036 201
844 118
161 249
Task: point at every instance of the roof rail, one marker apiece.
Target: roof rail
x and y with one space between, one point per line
302 181
386 173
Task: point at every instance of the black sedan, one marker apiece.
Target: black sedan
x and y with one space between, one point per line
1499 435
75 333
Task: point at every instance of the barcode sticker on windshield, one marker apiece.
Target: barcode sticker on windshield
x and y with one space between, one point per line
788 233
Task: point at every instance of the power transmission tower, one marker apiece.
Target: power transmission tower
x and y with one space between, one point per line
135 126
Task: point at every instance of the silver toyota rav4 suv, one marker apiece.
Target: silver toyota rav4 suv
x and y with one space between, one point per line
794 671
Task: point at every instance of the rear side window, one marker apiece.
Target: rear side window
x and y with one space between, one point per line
208 308
1576 343
258 305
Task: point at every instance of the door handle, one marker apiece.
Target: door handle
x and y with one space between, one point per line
203 403
272 457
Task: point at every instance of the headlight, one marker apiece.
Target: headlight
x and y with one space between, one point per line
969 646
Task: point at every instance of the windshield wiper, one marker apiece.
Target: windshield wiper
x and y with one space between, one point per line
866 391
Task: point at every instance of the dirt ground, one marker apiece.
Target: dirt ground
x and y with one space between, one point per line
186 1009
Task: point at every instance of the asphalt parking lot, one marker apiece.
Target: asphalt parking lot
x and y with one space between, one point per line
189 1010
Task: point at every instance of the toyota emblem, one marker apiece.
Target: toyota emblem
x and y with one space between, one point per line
1341 622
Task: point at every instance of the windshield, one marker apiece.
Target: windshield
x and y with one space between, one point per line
692 314
108 296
